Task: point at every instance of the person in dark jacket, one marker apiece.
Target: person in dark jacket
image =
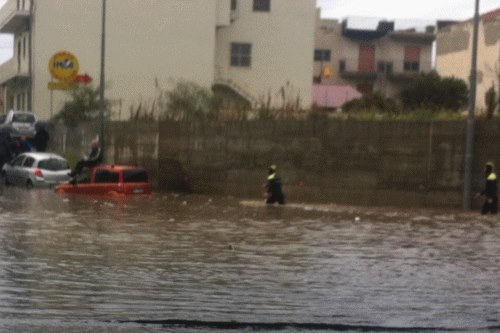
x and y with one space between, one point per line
490 190
22 145
273 187
5 149
94 157
41 139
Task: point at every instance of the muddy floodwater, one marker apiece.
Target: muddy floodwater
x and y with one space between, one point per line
185 263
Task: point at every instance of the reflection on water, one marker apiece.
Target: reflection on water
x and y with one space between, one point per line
201 264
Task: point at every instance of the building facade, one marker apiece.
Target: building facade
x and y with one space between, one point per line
249 47
382 59
266 48
454 53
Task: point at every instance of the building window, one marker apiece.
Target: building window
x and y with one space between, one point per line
384 67
261 5
234 4
24 47
18 56
322 55
10 104
241 54
342 66
411 66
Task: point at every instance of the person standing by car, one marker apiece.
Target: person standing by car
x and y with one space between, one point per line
490 191
5 149
41 138
22 145
93 158
273 187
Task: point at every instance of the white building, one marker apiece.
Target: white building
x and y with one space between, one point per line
250 47
454 53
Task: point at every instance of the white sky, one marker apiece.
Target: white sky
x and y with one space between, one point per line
412 12
405 9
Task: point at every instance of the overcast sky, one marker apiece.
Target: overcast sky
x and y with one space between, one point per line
406 9
411 12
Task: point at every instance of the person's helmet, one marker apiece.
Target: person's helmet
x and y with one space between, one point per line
272 167
490 164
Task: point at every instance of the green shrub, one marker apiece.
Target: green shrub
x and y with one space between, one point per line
430 91
189 100
375 102
490 99
83 105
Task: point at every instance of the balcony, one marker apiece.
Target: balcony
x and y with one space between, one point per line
14 73
389 69
414 37
14 16
349 69
403 70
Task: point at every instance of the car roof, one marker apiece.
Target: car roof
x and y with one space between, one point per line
20 111
42 155
118 167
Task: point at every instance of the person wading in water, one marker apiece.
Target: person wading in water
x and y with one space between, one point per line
273 187
490 191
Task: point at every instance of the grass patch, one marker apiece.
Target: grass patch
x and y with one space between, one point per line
419 115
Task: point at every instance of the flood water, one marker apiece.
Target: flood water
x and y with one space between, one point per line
182 263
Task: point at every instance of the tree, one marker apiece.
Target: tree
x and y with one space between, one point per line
189 100
490 99
430 91
83 105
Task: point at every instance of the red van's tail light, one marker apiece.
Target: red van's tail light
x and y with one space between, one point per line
38 173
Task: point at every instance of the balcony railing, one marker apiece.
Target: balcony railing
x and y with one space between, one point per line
383 67
14 16
13 70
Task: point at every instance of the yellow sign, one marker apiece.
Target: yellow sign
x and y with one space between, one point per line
62 85
63 66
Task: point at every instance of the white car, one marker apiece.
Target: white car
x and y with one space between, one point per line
36 170
22 121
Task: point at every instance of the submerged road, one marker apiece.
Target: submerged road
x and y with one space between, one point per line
181 263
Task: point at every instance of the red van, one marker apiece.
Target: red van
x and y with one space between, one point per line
110 179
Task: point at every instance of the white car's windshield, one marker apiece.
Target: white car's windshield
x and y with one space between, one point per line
23 118
53 164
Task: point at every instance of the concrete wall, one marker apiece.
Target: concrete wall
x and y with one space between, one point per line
320 160
336 161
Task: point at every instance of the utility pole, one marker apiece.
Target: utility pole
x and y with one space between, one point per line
469 145
30 56
101 84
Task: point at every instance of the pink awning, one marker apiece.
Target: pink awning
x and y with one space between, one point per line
333 95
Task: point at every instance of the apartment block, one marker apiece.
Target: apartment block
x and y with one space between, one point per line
250 48
265 49
380 59
454 53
